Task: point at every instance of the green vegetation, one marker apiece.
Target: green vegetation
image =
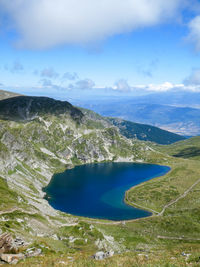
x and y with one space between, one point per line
32 151
7 196
145 132
189 148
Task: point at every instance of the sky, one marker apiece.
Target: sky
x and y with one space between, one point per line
73 48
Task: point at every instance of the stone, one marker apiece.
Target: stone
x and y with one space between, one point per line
6 243
9 258
100 255
18 242
33 252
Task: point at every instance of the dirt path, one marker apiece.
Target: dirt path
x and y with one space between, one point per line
16 209
180 197
8 211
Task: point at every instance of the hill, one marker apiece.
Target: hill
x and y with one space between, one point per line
188 149
145 132
6 94
180 120
37 141
136 130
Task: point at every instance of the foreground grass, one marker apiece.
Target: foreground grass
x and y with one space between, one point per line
157 258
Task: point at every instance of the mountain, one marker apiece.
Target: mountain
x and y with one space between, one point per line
180 120
188 149
40 137
6 94
179 98
145 132
26 108
136 130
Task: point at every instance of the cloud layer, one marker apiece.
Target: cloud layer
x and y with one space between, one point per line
194 35
45 23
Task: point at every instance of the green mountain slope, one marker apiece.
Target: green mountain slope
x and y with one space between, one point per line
177 119
5 94
45 136
145 132
22 108
188 149
136 130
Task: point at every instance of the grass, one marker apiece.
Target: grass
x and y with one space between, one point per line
180 220
9 198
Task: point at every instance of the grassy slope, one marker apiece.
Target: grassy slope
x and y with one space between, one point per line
145 132
189 148
6 94
180 220
136 130
152 241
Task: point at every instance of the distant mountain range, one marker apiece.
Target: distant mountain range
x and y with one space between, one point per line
26 108
172 112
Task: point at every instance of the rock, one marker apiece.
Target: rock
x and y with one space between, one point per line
6 243
33 252
102 255
18 242
99 255
10 258
10 245
185 254
15 261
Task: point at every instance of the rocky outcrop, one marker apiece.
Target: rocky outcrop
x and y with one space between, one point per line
10 247
100 255
12 258
6 243
25 108
41 136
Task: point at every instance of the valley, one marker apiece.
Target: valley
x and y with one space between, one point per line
168 111
40 137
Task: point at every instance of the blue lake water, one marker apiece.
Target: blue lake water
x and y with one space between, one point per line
98 190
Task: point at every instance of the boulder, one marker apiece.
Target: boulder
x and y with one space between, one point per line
6 243
100 255
10 258
10 245
33 252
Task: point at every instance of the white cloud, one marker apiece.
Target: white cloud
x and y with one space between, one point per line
15 68
122 86
194 78
70 76
46 23
84 84
194 34
46 83
167 86
49 73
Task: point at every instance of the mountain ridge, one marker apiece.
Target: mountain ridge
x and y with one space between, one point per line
33 149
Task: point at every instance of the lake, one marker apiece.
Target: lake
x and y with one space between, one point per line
98 190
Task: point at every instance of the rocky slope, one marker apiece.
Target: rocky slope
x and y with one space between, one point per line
145 132
138 131
5 94
178 113
41 136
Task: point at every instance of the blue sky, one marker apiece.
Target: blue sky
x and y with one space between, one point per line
130 48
